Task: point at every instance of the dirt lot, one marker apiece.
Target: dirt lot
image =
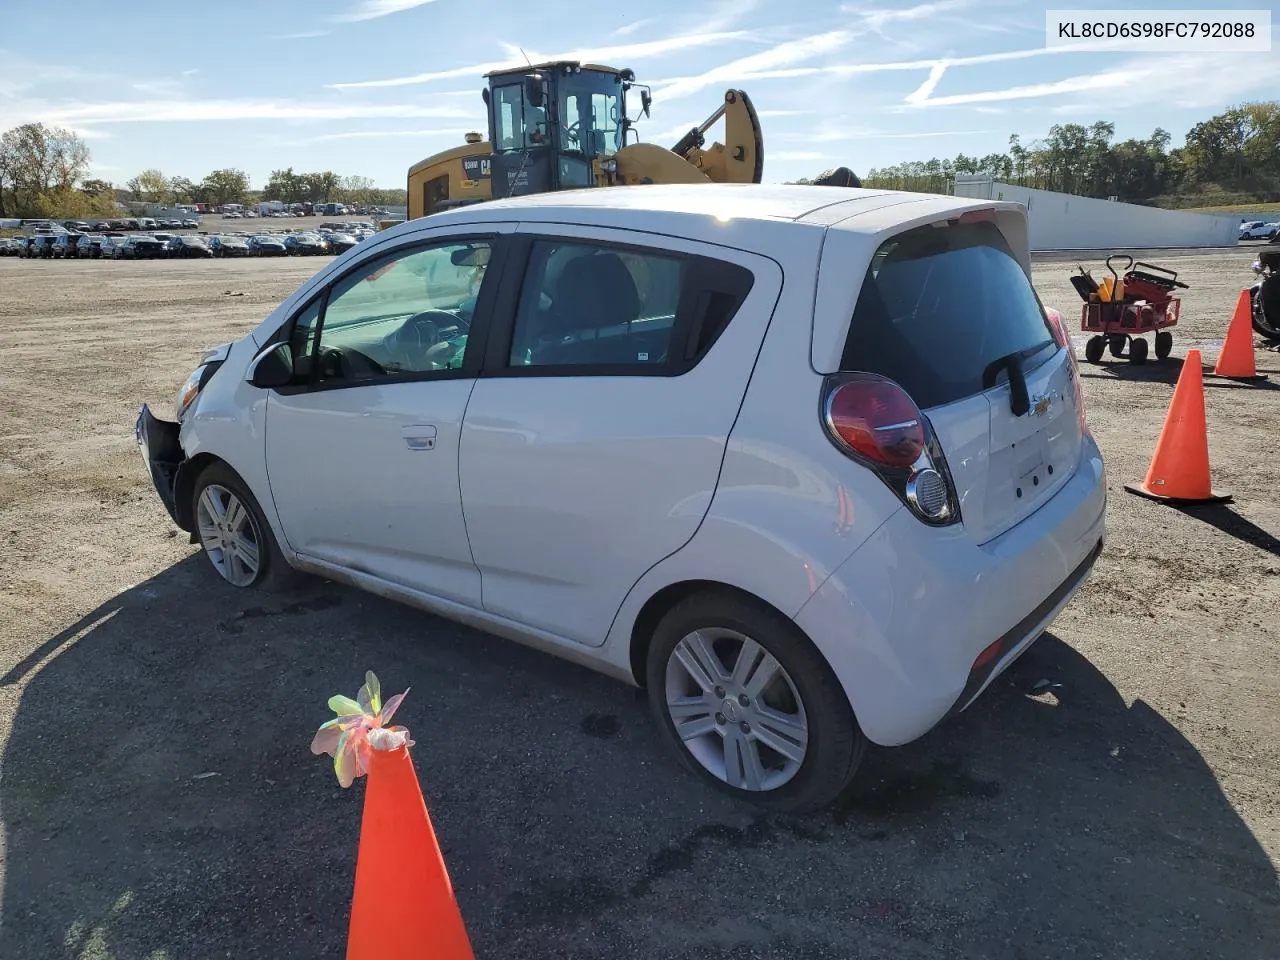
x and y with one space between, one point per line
1117 794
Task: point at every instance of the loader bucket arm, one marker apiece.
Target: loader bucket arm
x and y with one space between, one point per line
740 158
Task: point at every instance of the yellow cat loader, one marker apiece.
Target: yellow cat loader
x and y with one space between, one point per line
563 125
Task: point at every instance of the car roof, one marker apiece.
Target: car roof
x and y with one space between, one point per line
695 210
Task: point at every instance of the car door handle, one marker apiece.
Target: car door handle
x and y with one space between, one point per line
419 436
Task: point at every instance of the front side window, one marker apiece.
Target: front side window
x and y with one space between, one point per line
410 313
584 304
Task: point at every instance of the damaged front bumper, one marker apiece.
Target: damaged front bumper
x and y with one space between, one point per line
161 450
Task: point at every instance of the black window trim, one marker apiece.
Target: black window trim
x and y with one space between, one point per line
687 324
477 336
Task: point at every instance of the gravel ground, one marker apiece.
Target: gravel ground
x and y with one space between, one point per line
1114 795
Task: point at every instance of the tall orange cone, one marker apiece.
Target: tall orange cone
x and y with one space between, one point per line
403 905
1179 471
1235 362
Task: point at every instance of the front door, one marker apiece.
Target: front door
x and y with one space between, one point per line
594 437
362 456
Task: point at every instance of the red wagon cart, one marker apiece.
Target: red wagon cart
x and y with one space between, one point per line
1120 310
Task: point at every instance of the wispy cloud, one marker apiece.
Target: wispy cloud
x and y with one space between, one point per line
850 133
303 35
380 134
628 29
925 90
632 51
889 66
797 155
1189 81
876 18
168 111
373 9
779 56
1078 84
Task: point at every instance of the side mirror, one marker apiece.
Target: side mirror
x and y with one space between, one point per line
273 368
646 101
484 95
533 90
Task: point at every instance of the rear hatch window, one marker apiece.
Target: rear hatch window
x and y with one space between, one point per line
948 313
939 306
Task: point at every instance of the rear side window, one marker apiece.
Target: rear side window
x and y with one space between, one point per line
588 307
938 306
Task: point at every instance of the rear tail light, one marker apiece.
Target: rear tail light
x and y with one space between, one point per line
877 419
874 421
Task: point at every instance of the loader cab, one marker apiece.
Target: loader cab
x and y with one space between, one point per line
552 125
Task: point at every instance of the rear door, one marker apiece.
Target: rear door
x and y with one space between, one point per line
950 314
593 439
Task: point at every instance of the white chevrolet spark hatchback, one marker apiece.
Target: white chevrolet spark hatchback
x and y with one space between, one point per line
811 465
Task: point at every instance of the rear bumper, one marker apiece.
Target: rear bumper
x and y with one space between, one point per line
162 453
903 620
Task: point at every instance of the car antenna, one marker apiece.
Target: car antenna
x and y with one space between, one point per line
524 158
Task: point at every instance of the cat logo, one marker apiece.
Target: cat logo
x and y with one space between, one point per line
1040 405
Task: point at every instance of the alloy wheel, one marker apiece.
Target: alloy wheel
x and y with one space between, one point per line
736 709
229 535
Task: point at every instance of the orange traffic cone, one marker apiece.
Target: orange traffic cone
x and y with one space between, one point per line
1179 471
1235 362
403 906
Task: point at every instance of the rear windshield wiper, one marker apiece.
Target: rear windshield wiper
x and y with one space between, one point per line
1019 398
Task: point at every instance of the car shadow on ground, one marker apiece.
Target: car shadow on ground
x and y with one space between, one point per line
1168 371
160 802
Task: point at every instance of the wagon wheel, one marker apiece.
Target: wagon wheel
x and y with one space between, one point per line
1094 347
1116 342
1164 343
1137 350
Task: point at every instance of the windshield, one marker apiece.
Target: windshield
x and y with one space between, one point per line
590 112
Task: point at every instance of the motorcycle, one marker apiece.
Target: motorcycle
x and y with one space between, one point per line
1265 295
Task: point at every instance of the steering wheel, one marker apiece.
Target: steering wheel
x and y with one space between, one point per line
571 131
419 334
338 363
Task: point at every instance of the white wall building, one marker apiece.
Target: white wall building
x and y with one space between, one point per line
1060 221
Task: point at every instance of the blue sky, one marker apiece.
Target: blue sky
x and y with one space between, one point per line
369 87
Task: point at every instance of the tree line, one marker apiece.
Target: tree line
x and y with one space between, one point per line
1233 157
44 174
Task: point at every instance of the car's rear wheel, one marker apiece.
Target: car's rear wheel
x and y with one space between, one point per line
750 705
234 534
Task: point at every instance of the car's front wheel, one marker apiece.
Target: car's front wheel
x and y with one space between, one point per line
234 534
750 705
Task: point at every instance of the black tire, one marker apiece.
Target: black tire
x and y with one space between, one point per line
1137 350
1266 308
1116 344
274 573
1164 344
1094 347
835 743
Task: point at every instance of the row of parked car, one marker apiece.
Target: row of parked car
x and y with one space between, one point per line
118 246
115 225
